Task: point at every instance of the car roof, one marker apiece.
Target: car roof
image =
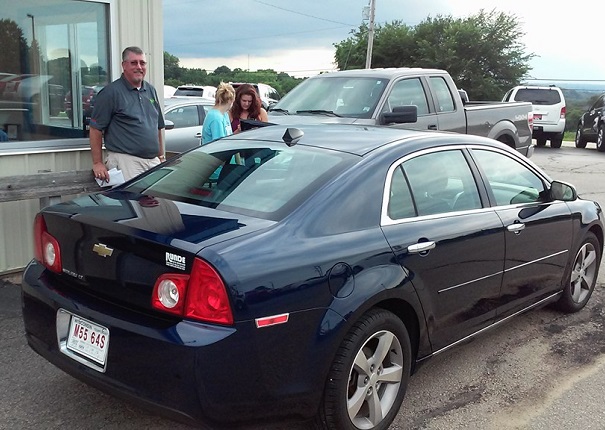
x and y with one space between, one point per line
360 140
194 87
538 87
181 101
386 73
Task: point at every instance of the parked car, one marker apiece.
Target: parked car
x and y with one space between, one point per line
9 85
184 119
310 279
591 126
412 98
88 95
34 90
169 91
549 111
268 95
206 91
5 78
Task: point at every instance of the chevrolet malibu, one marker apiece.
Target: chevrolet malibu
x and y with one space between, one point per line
301 273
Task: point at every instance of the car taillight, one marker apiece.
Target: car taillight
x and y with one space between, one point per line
202 295
563 112
530 120
46 247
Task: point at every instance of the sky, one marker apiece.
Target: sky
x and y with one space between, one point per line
298 36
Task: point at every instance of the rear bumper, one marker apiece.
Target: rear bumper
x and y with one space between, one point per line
185 370
541 129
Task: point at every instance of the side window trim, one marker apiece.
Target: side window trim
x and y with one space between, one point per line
474 176
436 82
386 107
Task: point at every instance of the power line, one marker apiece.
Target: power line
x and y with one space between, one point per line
208 42
303 14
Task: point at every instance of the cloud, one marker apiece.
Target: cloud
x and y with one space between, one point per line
298 63
291 35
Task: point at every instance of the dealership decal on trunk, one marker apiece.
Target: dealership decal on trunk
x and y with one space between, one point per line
176 261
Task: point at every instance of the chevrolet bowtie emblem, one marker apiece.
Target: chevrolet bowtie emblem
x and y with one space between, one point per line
102 249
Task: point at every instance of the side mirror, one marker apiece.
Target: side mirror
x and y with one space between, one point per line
168 125
400 115
562 191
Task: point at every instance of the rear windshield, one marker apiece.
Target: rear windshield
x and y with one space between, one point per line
538 96
260 180
189 92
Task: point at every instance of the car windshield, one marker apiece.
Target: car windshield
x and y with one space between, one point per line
344 96
258 180
538 96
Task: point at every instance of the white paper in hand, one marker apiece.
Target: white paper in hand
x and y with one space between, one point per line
115 178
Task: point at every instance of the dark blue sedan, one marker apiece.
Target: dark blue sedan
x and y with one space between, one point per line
301 273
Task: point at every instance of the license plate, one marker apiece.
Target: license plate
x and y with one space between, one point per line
88 339
537 116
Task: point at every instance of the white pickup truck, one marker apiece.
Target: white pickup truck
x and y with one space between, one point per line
411 98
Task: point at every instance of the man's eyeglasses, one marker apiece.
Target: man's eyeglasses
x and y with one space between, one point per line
134 63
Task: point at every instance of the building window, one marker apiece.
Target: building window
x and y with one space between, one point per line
54 59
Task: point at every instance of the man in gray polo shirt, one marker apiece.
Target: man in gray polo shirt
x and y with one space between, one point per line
128 117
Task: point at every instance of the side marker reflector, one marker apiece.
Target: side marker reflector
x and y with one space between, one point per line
272 320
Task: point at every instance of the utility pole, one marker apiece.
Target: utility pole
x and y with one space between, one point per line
29 15
370 35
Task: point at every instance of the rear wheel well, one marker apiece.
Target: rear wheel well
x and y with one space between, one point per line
507 140
407 314
598 233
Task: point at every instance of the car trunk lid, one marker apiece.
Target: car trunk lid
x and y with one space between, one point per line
118 249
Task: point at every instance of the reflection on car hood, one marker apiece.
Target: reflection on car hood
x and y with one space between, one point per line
301 119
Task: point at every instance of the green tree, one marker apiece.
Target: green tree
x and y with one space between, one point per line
195 76
14 47
282 82
172 70
482 52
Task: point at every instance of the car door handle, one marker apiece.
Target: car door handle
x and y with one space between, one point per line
421 247
516 227
198 134
432 127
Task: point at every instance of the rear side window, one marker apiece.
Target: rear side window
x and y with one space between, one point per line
433 183
538 96
262 181
445 101
185 116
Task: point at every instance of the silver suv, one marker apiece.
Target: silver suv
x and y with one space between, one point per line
549 111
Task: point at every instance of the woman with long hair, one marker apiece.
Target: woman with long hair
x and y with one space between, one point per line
247 105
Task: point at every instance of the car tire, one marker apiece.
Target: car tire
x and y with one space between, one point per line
377 345
581 277
540 142
601 138
556 141
580 139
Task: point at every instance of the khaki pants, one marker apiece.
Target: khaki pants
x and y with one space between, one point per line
130 165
